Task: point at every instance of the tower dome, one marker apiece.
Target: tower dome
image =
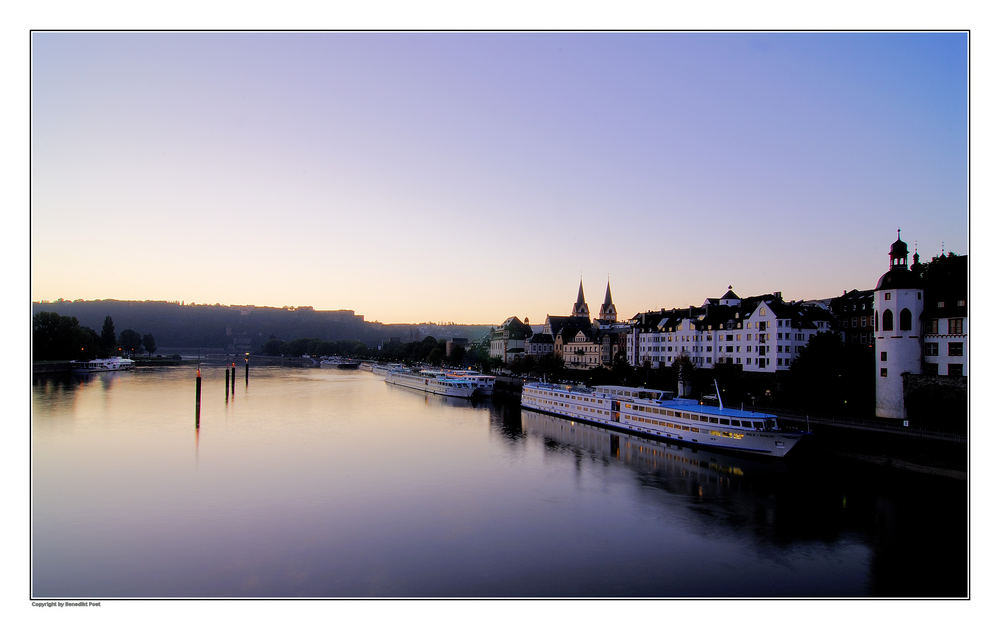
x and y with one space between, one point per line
898 276
898 251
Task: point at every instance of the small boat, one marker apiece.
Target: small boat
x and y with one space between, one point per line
114 364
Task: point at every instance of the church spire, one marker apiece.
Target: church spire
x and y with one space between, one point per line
580 309
608 311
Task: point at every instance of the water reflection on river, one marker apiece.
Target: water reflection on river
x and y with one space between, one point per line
322 483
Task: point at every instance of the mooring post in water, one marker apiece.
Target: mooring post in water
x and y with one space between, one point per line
247 369
227 384
234 377
197 399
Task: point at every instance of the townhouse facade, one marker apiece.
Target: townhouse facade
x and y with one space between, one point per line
507 342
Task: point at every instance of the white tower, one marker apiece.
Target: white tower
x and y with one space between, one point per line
899 304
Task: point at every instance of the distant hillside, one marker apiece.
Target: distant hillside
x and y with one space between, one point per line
244 328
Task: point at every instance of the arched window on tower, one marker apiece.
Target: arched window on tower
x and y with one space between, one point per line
887 320
905 319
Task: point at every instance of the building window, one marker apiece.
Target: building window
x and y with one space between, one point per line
955 326
888 296
884 372
887 320
885 356
954 369
905 319
930 349
955 349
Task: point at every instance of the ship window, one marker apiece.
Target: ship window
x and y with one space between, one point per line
724 421
714 420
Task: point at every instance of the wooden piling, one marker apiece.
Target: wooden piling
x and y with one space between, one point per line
227 384
197 399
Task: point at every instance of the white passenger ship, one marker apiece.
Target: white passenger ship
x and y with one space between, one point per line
381 369
114 364
484 382
433 381
656 413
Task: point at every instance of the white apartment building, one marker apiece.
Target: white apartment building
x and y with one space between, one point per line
761 334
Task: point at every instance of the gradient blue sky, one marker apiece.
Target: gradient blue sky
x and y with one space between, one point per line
471 176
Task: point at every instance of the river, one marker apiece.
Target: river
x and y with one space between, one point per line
332 483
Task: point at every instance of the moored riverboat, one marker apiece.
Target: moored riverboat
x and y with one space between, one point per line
381 369
433 381
484 382
657 413
339 363
113 364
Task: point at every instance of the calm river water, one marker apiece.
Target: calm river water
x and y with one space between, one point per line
330 483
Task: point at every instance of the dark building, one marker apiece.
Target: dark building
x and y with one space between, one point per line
854 312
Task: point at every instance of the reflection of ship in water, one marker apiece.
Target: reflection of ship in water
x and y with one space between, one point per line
505 418
665 460
433 400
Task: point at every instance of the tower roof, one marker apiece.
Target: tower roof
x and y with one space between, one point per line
899 249
607 294
730 295
580 309
898 279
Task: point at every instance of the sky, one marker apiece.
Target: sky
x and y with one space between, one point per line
468 177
